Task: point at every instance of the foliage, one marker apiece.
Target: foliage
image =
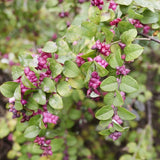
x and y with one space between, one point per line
59 90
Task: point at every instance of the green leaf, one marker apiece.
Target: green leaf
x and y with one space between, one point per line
133 14
51 3
57 144
74 114
73 33
126 157
124 2
76 82
17 93
56 102
128 36
4 130
55 67
50 47
104 113
18 105
8 88
105 132
133 51
109 98
89 29
150 17
101 71
128 84
31 131
145 3
94 14
109 84
125 114
48 85
70 69
32 104
118 100
35 120
26 82
124 26
117 127
64 89
40 97
108 34
115 58
16 72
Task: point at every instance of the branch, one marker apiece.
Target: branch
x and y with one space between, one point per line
149 37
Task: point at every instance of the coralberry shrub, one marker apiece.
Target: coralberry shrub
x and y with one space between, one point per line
57 85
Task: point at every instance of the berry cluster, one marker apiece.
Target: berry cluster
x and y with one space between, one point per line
98 3
113 5
79 60
138 24
99 60
122 70
45 145
102 48
94 83
31 76
115 22
12 109
63 14
115 119
49 118
115 135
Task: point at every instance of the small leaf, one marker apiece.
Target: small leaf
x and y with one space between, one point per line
94 14
108 34
124 2
31 131
115 58
133 51
109 98
74 114
125 26
125 114
118 100
50 47
104 113
48 85
73 33
101 71
16 72
8 88
40 97
89 29
32 104
128 84
17 93
64 89
55 67
128 36
18 105
105 132
70 69
56 102
117 127
76 82
109 84
26 82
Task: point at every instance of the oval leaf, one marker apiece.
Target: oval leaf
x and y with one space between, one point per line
128 84
109 84
124 114
31 131
104 113
56 102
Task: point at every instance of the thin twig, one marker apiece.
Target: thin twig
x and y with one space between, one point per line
149 37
